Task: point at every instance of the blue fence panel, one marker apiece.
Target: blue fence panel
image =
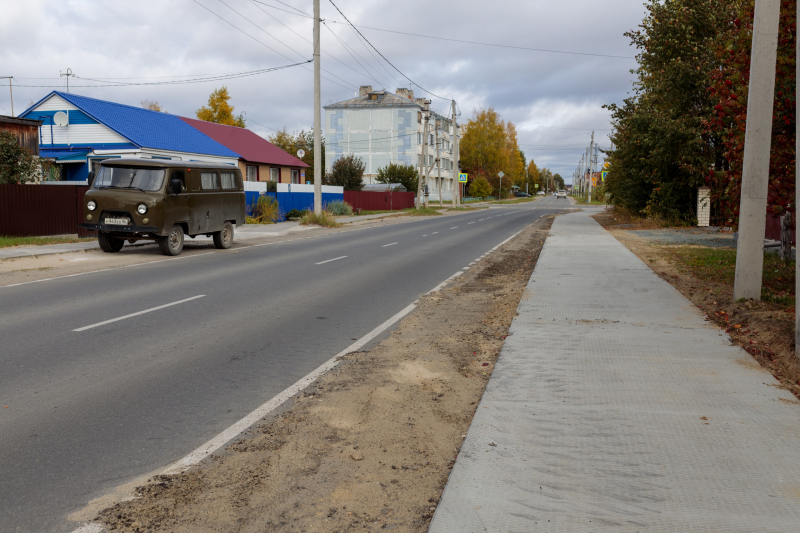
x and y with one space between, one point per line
291 200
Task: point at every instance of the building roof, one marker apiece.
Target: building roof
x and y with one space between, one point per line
5 119
248 145
61 155
145 128
384 99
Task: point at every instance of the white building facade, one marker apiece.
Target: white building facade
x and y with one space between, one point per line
383 128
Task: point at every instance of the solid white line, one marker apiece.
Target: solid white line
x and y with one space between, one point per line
454 227
84 328
385 245
220 440
329 260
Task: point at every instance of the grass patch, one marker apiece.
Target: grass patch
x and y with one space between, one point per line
7 242
423 212
719 265
324 219
515 201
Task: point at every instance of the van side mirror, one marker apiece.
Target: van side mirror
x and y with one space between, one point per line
91 178
174 186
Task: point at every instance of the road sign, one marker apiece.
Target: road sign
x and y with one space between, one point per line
500 174
604 174
536 185
462 178
301 153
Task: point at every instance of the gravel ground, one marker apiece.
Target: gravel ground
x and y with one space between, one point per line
371 444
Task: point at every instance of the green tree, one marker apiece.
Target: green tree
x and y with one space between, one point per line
480 187
663 151
292 142
406 175
219 110
20 165
347 172
559 182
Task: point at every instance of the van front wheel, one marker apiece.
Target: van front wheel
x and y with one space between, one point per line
172 244
108 243
224 238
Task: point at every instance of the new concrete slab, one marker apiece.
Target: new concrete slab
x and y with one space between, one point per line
614 406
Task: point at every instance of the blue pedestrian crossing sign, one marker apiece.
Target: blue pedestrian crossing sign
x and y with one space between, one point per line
462 178
603 175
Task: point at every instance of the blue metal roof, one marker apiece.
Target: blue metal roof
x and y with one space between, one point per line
64 155
148 129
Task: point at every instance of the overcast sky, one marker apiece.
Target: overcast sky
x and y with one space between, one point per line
554 99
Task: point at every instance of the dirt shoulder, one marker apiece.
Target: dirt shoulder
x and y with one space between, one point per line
764 329
371 444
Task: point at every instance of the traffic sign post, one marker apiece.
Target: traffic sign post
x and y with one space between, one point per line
500 192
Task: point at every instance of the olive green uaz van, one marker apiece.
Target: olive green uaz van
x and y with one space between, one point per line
151 199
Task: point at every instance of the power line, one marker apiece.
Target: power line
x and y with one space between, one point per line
351 51
547 50
384 57
105 82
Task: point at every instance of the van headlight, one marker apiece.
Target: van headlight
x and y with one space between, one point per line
141 209
92 205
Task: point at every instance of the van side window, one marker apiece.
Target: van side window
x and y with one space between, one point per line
178 174
228 180
209 181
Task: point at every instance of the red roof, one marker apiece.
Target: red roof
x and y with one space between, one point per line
248 145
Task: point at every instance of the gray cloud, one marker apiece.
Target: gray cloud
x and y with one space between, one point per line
146 41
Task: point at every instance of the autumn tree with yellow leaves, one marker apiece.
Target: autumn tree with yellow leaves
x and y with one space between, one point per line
219 110
488 147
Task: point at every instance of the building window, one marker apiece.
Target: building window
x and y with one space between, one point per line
252 173
419 160
430 139
419 138
295 176
275 175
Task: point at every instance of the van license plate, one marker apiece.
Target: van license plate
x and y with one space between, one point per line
118 221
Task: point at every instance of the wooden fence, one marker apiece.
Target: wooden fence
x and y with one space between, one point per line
379 201
31 210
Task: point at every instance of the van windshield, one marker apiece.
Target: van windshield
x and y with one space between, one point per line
142 179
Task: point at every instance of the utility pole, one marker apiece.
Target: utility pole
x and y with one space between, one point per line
10 91
757 144
456 170
69 73
591 148
317 118
438 162
422 178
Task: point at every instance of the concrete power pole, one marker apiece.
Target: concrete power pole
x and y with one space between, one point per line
591 149
438 164
456 169
424 162
317 118
757 143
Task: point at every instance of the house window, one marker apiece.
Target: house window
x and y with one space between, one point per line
252 173
419 138
275 175
295 176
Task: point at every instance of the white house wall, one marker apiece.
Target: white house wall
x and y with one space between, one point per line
73 134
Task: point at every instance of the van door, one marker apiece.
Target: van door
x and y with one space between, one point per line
211 201
176 208
230 196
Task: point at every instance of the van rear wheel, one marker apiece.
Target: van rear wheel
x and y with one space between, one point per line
224 238
108 243
172 244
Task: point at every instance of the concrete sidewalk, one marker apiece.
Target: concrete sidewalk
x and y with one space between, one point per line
614 406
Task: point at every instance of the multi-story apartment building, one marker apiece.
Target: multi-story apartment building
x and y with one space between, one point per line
382 128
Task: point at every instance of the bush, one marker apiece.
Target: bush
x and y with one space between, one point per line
347 172
323 219
338 208
272 186
480 187
20 165
264 211
406 175
294 213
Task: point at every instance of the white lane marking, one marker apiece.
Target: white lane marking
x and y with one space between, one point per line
470 222
385 245
481 220
84 328
220 440
424 235
329 260
454 227
434 233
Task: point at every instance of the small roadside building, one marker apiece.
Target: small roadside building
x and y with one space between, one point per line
78 132
26 131
259 159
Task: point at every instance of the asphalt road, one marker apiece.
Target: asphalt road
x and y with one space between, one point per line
90 410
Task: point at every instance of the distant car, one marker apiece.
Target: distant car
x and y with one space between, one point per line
521 194
561 194
540 193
